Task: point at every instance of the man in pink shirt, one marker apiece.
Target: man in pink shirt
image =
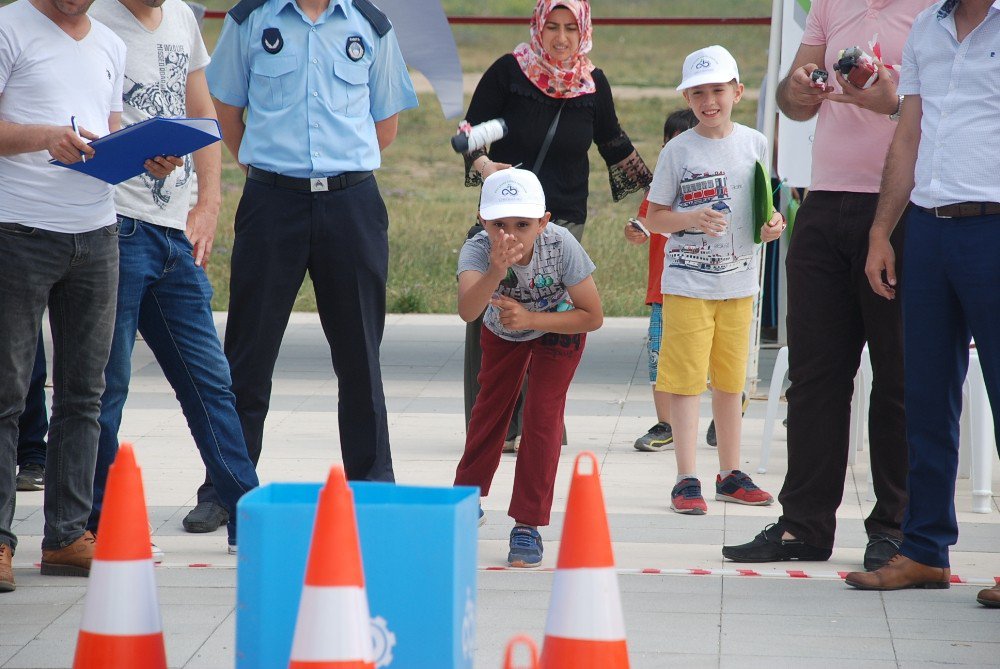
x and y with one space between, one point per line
832 313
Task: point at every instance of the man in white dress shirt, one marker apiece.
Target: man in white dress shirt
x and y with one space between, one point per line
944 159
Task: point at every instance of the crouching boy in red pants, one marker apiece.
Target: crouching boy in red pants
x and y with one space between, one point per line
534 281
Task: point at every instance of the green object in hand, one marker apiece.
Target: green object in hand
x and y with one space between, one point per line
763 199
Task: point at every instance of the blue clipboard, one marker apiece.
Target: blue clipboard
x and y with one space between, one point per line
121 155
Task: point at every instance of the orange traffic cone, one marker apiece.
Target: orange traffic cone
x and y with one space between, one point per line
333 629
585 627
527 642
121 624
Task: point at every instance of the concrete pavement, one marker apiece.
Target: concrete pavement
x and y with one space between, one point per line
699 620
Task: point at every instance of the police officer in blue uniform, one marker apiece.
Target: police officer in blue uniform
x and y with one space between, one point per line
322 83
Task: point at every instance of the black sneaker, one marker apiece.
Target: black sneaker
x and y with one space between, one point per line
657 439
710 438
205 517
880 549
768 546
31 477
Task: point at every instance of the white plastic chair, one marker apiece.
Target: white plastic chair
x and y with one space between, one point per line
859 407
977 438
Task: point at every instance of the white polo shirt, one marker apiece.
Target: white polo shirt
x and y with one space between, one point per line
959 88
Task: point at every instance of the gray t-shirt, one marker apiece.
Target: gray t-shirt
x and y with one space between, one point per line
558 261
157 65
694 172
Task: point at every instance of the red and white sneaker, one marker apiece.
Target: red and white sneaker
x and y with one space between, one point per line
739 488
686 498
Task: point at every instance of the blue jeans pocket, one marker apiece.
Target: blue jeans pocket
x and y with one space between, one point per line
126 226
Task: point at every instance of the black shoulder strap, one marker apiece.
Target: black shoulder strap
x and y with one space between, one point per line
374 16
548 140
243 9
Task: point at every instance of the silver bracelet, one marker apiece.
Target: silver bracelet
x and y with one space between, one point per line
894 116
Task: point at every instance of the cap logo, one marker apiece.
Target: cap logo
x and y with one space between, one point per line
702 64
509 190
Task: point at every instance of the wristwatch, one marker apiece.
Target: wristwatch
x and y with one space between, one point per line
894 116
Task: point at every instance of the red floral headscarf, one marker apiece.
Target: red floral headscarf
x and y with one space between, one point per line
571 78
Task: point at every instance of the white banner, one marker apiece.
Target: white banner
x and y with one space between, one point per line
795 138
428 46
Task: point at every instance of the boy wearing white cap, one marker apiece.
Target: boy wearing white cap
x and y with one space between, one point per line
534 281
702 195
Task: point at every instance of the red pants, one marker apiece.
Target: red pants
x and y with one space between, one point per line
552 360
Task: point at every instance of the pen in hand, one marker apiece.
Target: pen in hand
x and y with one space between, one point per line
76 129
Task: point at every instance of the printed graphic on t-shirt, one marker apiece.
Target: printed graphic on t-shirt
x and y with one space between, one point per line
696 251
164 97
535 286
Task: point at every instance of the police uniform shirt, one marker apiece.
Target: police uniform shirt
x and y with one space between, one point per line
313 91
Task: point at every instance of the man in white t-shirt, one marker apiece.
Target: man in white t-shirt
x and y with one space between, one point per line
58 247
164 245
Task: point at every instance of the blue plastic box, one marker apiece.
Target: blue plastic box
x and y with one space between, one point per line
419 551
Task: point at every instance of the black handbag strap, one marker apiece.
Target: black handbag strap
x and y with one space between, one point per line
548 140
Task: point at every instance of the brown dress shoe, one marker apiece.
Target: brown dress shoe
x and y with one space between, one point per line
990 597
72 560
6 569
900 573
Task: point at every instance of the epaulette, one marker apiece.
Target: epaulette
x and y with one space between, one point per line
374 15
242 9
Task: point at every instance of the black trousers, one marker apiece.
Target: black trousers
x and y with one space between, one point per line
341 238
832 313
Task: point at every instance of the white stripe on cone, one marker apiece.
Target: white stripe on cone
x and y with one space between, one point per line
572 614
121 599
333 625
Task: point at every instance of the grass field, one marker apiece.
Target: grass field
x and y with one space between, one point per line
422 181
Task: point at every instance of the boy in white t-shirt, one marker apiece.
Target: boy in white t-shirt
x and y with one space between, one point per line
702 195
534 282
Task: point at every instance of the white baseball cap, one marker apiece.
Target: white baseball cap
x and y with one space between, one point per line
711 65
511 192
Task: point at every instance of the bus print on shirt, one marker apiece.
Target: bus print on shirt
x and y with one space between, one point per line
695 250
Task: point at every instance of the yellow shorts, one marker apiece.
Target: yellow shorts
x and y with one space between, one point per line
704 338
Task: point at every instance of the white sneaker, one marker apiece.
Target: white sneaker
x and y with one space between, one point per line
231 549
157 553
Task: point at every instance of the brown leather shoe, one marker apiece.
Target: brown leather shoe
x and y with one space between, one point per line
7 569
900 573
990 597
72 560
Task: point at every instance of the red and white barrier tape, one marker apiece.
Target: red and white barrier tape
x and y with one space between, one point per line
786 573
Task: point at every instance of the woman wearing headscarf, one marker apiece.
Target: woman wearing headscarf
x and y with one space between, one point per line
550 75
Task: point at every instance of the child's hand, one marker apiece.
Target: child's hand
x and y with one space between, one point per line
513 316
634 236
505 252
709 221
773 229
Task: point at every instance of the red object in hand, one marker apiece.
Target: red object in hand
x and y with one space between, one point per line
857 67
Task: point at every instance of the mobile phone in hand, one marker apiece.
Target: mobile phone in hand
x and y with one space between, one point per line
634 222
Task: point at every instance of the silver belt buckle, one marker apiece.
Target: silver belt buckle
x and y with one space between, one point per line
937 215
319 184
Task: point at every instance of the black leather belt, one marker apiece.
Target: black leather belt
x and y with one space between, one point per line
963 209
313 185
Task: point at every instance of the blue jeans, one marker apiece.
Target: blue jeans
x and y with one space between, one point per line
167 298
950 295
33 424
76 275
